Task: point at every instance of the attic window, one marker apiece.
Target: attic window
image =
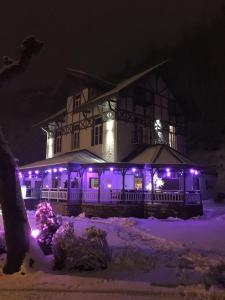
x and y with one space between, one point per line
76 102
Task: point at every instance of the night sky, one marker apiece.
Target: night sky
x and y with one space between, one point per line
97 36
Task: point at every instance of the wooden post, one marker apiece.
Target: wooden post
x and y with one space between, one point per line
99 186
81 174
184 187
68 185
152 182
123 172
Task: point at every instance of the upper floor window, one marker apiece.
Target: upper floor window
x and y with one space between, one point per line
58 143
76 137
97 130
172 137
137 135
76 102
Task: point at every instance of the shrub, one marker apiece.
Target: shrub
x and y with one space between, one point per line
48 223
87 252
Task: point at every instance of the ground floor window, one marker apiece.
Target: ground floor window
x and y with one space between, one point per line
93 183
138 183
172 137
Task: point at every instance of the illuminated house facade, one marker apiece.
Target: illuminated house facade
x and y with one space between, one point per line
117 150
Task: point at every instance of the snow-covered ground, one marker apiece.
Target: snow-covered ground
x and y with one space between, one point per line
151 259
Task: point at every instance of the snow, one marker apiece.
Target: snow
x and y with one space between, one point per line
151 259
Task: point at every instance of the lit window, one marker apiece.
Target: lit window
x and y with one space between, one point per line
94 183
172 137
97 129
76 137
138 182
76 102
58 143
159 138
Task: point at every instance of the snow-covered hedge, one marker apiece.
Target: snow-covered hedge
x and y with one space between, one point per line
48 223
87 252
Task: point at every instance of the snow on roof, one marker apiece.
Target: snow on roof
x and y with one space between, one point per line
77 157
125 83
159 155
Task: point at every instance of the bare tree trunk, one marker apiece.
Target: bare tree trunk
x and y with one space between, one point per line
13 210
16 225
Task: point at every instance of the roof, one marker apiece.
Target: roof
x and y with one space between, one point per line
76 157
53 117
89 77
159 155
124 84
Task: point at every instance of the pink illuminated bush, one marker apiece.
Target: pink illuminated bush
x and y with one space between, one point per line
48 223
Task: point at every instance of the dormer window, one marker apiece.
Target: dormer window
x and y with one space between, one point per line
76 102
96 138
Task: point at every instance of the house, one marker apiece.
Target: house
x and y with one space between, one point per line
117 150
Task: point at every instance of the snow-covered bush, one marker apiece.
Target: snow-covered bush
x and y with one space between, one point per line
2 243
87 252
48 223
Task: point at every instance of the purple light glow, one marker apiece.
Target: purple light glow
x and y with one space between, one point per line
111 169
54 170
196 172
35 233
36 172
29 172
192 171
90 169
49 171
133 170
168 174
167 170
60 169
109 186
20 174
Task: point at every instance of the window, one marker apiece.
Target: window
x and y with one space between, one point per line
58 143
76 102
93 183
172 137
137 136
138 183
76 137
97 129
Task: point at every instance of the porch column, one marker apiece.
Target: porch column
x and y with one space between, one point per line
81 174
123 172
99 187
152 182
68 185
184 187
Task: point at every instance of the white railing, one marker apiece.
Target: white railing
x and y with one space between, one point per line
168 196
193 197
54 194
119 196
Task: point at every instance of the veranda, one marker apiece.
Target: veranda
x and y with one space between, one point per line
116 189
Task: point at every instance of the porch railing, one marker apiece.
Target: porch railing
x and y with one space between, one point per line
54 194
119 196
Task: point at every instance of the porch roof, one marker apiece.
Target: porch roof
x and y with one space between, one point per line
74 157
159 155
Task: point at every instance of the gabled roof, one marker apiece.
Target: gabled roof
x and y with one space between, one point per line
75 157
89 77
159 155
125 83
